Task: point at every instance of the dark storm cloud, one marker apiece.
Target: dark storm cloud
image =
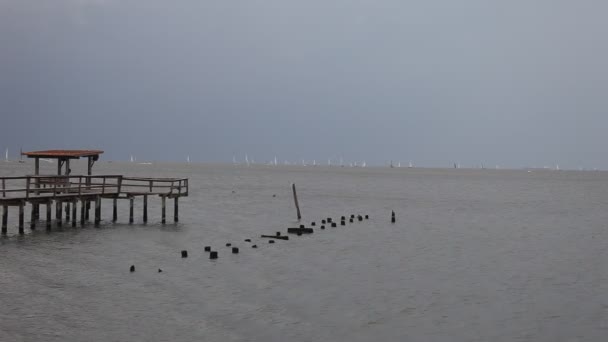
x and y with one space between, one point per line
512 83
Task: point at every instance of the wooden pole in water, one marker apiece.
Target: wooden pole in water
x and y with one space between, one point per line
74 212
145 208
115 210
49 217
21 218
4 218
295 199
33 217
163 201
175 210
83 209
97 210
131 200
58 205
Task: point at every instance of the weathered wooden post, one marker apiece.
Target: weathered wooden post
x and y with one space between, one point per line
163 210
97 210
33 217
49 217
145 208
58 212
114 209
83 209
295 199
176 210
131 200
21 204
74 212
4 218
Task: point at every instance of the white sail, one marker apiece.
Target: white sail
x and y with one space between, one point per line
188 159
247 160
410 165
6 155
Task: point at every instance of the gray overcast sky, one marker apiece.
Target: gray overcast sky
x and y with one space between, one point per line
514 83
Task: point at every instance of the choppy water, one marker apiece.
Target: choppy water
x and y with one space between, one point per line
475 255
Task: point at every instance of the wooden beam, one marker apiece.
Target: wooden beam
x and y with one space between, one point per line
4 218
176 209
164 209
145 208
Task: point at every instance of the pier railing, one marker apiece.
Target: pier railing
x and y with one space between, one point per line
162 186
32 187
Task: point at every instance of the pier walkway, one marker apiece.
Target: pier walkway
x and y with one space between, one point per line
66 191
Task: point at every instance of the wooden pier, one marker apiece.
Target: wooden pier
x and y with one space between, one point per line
70 191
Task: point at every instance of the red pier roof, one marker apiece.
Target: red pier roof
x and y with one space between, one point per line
63 154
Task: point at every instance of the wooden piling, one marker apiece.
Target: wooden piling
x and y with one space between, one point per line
163 211
49 217
4 218
295 199
97 210
131 200
67 212
114 210
74 211
175 210
33 217
21 205
145 208
83 209
58 212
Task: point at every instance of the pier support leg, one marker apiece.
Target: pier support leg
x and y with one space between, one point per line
21 214
33 217
36 212
131 200
49 218
164 209
97 210
176 210
83 209
4 218
145 208
67 212
87 209
58 212
74 212
115 210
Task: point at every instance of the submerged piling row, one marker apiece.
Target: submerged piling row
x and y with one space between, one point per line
213 254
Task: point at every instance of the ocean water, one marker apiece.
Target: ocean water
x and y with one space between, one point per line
475 255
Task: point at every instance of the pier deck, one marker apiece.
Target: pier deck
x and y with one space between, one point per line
69 190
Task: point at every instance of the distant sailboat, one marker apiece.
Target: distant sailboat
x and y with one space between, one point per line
247 160
132 159
188 159
328 161
6 155
410 165
364 164
21 156
233 160
391 165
